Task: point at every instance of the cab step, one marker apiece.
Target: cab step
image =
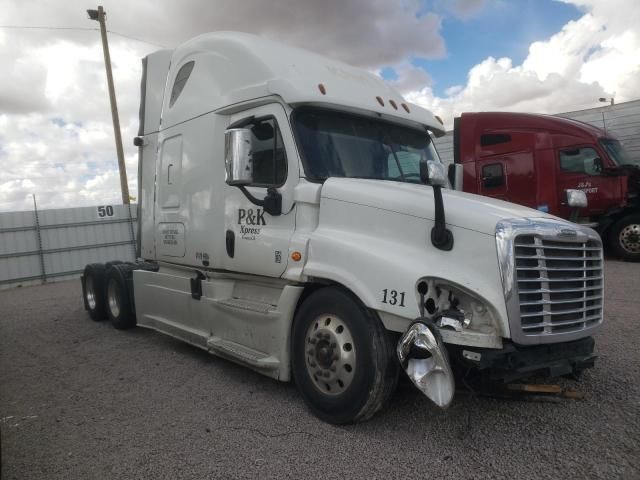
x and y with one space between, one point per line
241 353
247 305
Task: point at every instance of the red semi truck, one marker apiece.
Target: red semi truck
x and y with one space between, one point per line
533 160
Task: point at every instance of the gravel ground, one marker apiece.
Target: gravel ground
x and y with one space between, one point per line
79 399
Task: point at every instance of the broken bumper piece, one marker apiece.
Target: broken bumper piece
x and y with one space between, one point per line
424 357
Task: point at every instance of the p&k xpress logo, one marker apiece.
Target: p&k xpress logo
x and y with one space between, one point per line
250 221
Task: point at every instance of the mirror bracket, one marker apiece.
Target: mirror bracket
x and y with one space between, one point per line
441 236
272 203
433 173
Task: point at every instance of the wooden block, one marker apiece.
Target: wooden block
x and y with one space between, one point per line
522 387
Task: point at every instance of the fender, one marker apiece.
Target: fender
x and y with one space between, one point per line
350 235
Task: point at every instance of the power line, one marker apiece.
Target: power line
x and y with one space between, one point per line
36 27
46 27
136 39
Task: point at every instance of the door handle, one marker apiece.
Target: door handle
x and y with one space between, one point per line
169 174
230 241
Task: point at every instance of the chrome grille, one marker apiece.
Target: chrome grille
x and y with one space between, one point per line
559 283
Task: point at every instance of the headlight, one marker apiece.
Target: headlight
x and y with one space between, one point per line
441 298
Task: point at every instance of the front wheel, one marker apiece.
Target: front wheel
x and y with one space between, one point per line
343 358
624 238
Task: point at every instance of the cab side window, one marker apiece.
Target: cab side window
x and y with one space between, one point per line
581 160
492 175
269 157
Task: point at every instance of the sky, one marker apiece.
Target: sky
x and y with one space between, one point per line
450 56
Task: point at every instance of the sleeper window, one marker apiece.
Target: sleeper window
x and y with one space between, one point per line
269 157
180 82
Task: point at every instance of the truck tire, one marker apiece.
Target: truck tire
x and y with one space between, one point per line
93 284
118 299
624 238
343 360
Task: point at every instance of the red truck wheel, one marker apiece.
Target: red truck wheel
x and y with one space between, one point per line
624 238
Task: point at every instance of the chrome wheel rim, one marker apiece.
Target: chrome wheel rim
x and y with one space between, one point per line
330 354
112 298
630 238
90 292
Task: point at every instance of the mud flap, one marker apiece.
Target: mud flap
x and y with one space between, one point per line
424 357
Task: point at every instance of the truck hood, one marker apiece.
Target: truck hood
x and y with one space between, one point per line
463 210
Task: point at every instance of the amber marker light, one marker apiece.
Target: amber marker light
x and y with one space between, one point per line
406 108
380 101
322 89
393 104
296 256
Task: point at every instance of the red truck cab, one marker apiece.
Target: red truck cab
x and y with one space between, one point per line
533 159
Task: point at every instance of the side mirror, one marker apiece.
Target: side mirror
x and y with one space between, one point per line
455 176
434 173
576 198
238 157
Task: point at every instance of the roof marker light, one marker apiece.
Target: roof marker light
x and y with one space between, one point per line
393 104
439 119
322 89
380 101
406 108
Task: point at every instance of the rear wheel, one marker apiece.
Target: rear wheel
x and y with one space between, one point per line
118 302
624 238
93 290
343 358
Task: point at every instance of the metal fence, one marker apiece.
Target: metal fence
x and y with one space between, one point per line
621 120
49 245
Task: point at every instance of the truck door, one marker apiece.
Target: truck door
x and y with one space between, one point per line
256 242
580 167
505 167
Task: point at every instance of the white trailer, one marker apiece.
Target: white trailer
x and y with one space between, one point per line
292 219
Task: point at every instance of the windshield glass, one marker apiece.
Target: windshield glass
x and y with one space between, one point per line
338 144
618 153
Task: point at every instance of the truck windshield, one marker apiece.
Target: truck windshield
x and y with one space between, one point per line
618 153
338 144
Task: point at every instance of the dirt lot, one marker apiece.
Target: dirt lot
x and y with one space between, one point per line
79 399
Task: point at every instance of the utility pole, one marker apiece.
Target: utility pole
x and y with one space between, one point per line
100 16
43 272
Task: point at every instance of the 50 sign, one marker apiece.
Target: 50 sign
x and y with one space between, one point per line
105 211
393 297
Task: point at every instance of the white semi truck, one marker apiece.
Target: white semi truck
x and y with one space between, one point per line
294 217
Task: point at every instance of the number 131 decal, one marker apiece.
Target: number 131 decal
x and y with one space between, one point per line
393 297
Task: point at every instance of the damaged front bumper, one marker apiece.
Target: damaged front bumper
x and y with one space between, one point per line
426 360
515 362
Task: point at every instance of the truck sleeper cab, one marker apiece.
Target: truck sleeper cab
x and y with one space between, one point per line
293 218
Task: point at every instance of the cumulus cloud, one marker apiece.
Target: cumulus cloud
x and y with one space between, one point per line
56 137
595 56
364 33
